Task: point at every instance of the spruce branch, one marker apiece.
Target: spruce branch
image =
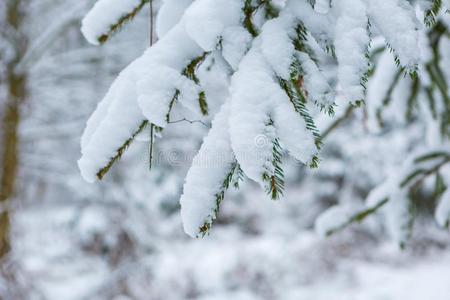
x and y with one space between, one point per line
388 97
416 177
298 101
275 179
365 76
122 22
220 195
190 72
103 171
251 7
239 176
191 69
248 11
432 12
301 45
300 41
358 217
411 183
412 99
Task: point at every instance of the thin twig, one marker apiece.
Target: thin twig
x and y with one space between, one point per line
152 127
418 182
152 136
337 122
189 121
151 23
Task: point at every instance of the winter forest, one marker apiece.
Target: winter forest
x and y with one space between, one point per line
224 149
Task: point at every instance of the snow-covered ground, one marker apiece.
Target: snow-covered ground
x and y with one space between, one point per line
273 262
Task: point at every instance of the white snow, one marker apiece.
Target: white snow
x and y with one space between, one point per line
291 129
103 15
319 24
169 14
352 43
205 178
235 43
378 87
276 44
315 82
252 88
400 31
398 212
138 93
206 20
118 118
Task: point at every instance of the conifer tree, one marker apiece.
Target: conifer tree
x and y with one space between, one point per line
286 62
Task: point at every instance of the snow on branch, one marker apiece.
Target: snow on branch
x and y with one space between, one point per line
169 14
145 90
401 32
352 47
209 177
148 88
280 59
392 198
107 17
264 113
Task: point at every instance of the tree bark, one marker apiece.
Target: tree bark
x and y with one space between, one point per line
16 94
9 158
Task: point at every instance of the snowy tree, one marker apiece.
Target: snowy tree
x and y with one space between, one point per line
285 63
418 107
43 107
21 49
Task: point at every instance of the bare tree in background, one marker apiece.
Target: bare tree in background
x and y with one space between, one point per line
15 82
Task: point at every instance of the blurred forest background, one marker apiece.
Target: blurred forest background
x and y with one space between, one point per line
62 238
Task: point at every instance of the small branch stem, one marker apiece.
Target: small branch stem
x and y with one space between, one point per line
337 122
152 127
189 121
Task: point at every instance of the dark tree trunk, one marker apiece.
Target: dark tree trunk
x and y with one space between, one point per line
9 158
9 143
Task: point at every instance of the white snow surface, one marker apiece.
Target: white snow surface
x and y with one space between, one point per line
103 15
256 101
352 43
276 44
169 14
400 32
205 178
206 20
143 90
